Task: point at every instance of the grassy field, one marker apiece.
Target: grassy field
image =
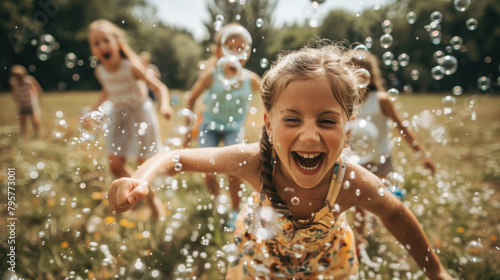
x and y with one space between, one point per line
66 230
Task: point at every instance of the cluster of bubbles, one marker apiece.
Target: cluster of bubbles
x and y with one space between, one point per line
47 44
236 44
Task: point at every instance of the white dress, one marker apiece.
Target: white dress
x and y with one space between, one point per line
132 128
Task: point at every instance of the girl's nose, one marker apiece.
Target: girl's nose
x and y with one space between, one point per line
309 134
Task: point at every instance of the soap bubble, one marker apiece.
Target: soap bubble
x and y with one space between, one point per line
483 83
411 17
70 60
228 70
259 22
236 41
436 17
437 72
186 117
449 64
393 94
363 77
403 59
475 251
386 41
222 204
457 90
137 269
264 63
363 139
387 26
265 223
387 58
437 55
456 42
461 5
471 24
59 128
449 103
360 52
90 124
415 74
368 42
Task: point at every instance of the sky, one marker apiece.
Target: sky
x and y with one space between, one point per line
191 14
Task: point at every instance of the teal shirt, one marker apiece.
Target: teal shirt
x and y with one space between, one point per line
226 110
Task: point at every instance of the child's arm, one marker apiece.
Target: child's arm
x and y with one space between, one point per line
396 217
159 88
36 86
236 160
203 82
410 137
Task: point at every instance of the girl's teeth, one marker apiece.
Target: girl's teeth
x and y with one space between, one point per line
308 168
308 155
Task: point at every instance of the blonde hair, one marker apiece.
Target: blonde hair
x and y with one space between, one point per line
112 29
325 61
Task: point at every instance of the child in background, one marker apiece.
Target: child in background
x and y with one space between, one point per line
26 92
294 226
223 118
133 125
377 107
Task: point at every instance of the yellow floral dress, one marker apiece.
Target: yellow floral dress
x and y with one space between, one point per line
268 249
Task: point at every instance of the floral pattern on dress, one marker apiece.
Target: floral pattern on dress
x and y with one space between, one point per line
270 250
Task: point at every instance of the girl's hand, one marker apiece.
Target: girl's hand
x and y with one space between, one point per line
125 192
430 165
167 111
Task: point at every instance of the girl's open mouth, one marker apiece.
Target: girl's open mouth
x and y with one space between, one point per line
308 161
106 55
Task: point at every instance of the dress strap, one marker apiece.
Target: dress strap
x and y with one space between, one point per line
336 184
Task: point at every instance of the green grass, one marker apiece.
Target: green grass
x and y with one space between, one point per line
65 227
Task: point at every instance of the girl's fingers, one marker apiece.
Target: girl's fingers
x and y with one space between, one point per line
139 192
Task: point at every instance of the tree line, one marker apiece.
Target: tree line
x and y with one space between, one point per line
49 37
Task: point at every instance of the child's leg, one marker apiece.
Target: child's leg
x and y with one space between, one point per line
36 120
22 126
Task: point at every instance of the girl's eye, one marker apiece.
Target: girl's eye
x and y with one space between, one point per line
291 120
328 122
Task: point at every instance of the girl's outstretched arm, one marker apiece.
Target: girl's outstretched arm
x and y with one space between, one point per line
236 160
396 217
159 88
410 137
